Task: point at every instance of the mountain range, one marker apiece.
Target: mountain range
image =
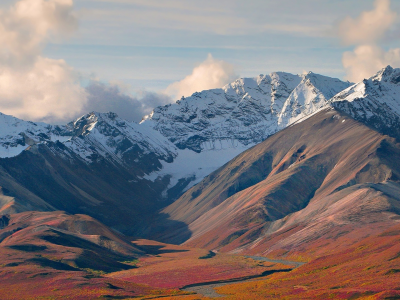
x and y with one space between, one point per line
179 144
279 165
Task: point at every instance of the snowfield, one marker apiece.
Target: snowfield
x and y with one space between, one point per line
198 134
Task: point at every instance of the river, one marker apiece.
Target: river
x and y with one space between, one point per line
207 289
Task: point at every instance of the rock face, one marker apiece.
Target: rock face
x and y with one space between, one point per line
16 135
99 136
212 127
181 143
374 101
105 166
302 168
246 111
325 175
312 94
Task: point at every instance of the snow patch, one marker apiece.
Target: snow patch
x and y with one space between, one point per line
189 164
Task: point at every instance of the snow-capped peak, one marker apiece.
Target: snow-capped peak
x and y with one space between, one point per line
188 140
383 88
84 124
16 135
312 94
387 74
244 111
107 136
374 101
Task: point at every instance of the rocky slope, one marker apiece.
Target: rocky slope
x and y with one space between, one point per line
100 163
246 111
374 101
325 176
64 242
16 135
211 127
181 143
321 185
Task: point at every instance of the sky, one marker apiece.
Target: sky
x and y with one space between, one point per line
60 59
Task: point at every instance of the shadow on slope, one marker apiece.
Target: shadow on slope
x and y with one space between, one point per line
51 177
64 242
293 172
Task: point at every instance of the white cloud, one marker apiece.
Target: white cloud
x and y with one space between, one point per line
36 88
111 97
32 86
209 74
370 26
48 90
365 32
367 60
26 26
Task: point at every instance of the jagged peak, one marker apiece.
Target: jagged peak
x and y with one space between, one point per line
273 76
86 123
282 73
374 100
387 74
94 117
314 76
285 77
384 72
100 115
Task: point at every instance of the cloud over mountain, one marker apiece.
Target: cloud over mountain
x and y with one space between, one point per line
111 97
366 59
370 26
365 32
209 74
43 89
28 25
32 86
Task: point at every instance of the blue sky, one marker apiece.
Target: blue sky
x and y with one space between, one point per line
151 43
73 56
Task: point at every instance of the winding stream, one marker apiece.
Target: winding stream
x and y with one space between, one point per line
207 288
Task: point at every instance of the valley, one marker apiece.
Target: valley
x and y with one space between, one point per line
280 186
208 289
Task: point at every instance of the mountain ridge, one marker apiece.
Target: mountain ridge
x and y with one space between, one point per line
174 148
313 171
278 166
208 129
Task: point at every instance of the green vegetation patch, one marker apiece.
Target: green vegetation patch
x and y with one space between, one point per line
210 254
233 237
